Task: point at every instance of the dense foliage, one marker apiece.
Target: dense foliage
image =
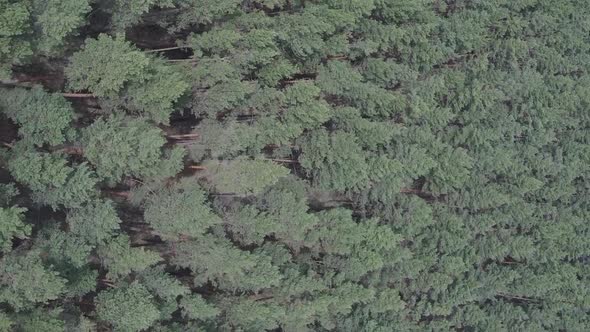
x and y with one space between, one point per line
291 165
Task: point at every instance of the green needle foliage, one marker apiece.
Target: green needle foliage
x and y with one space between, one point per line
195 307
57 19
42 320
95 222
105 65
121 259
219 262
128 308
43 118
14 47
52 181
290 165
12 226
36 28
179 210
335 161
126 77
25 281
121 146
243 176
128 13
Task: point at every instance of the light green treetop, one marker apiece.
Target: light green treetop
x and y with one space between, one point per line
244 176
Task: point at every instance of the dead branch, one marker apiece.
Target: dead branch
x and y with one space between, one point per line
514 297
182 60
78 95
165 49
123 194
72 150
288 161
183 136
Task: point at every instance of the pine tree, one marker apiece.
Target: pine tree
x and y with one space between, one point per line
162 284
58 19
63 248
109 67
36 28
356 165
105 65
305 108
194 307
5 322
218 140
52 180
12 225
119 146
204 12
252 175
158 94
26 282
127 308
42 117
41 320
95 222
14 48
243 313
128 13
218 261
121 259
179 210
334 161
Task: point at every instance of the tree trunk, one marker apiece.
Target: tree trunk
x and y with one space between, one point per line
183 136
